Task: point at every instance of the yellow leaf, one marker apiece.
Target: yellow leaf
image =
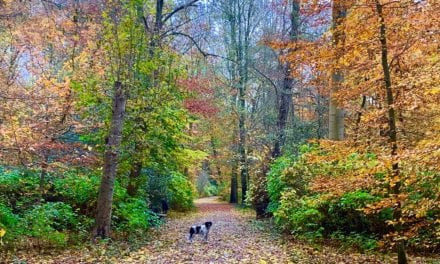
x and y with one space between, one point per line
2 232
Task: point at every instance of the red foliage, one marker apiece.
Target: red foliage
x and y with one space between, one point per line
201 107
199 85
201 96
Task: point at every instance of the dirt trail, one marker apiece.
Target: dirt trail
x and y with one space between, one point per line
235 237
232 239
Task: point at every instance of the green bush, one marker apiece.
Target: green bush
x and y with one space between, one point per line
67 215
157 187
302 216
345 214
315 216
9 222
133 215
19 188
7 218
363 242
77 190
50 221
288 172
182 192
81 191
211 190
356 200
275 184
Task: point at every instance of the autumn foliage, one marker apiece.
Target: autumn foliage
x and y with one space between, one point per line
321 114
398 176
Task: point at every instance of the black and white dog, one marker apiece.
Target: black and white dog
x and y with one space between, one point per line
200 229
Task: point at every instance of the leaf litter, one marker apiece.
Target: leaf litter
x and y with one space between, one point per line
235 237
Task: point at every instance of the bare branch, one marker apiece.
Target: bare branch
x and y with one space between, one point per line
177 9
207 54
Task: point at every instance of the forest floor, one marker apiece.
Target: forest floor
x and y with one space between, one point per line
235 237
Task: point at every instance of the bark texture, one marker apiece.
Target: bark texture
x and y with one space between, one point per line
287 86
105 196
336 114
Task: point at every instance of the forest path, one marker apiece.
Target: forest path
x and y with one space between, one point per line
235 237
232 239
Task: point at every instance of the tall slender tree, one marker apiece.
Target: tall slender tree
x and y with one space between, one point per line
336 113
239 22
392 127
114 15
285 100
157 33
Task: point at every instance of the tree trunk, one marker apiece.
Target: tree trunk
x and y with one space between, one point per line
242 145
105 196
133 179
234 183
43 174
283 112
286 90
336 114
402 259
158 20
136 169
358 119
215 156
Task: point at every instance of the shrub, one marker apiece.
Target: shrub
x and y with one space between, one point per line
78 190
182 192
335 190
157 187
133 215
48 221
362 241
18 188
7 218
10 223
345 214
211 190
81 191
275 184
257 196
289 172
302 216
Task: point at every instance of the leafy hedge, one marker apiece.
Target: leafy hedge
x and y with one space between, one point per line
134 215
63 211
322 195
182 192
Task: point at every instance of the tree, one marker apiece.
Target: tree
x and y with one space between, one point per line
285 100
380 42
157 34
137 53
47 39
115 16
105 196
239 19
336 114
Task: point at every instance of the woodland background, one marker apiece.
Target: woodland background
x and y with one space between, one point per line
321 114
